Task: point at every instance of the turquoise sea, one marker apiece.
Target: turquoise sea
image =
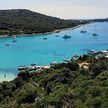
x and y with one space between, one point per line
33 49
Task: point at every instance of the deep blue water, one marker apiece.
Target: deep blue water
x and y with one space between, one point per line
33 49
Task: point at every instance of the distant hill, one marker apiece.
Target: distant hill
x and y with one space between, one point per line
19 21
99 20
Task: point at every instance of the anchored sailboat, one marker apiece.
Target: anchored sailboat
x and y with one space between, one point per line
95 30
83 31
14 39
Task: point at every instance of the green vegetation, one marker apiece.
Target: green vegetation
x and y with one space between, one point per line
21 21
64 85
100 20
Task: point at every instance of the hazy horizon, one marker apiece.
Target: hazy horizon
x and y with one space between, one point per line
71 9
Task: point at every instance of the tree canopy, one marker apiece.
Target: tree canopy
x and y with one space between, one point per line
22 21
64 85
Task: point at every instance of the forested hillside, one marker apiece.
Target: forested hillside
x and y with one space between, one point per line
64 85
21 21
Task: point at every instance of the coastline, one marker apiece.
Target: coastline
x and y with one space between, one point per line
10 77
46 33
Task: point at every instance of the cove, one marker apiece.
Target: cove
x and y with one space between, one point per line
34 49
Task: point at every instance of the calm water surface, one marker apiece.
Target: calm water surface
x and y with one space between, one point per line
33 49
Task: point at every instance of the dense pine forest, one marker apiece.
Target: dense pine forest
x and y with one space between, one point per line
64 85
21 21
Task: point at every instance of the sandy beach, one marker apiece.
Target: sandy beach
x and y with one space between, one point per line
6 77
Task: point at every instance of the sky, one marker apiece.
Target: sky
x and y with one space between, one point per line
66 9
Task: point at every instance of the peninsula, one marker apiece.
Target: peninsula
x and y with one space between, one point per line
22 21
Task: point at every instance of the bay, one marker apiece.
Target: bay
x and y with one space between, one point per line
34 49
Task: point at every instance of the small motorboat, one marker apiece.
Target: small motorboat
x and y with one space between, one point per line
14 40
57 31
83 31
94 34
45 38
56 36
22 67
66 37
33 64
91 52
33 67
7 44
14 37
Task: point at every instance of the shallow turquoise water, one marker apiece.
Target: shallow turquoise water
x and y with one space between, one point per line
33 49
